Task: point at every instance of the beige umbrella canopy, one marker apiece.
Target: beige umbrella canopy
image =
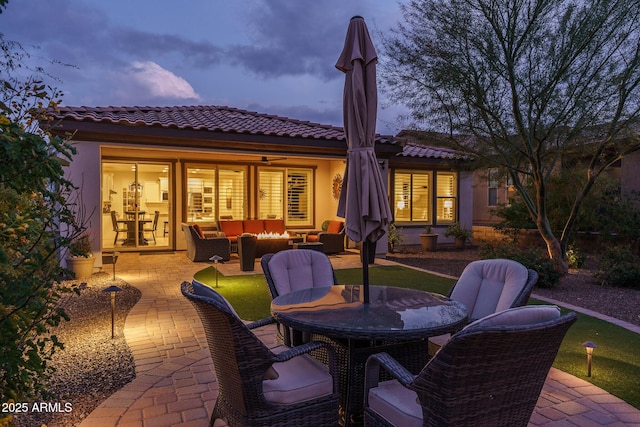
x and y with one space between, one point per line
363 202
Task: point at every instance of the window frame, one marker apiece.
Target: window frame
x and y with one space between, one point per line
214 190
433 196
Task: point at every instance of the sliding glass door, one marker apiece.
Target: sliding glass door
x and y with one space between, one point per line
136 205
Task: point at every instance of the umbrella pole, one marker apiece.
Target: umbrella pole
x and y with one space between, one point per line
365 270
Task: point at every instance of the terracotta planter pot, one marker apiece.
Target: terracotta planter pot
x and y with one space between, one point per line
81 267
459 243
429 242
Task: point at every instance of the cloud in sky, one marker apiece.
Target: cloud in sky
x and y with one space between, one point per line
290 39
149 81
278 54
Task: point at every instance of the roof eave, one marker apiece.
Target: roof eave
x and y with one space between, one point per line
153 136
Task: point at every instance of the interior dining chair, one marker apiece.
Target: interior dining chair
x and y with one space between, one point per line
490 373
154 226
488 286
116 226
258 386
291 270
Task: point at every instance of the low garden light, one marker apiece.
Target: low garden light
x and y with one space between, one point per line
589 346
112 291
114 259
215 260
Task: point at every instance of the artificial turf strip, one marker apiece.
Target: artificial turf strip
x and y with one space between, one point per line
616 364
247 294
616 361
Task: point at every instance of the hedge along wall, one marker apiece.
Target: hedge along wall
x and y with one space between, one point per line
483 233
588 242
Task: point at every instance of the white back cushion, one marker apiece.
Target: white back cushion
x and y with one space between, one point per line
296 269
488 286
519 316
206 291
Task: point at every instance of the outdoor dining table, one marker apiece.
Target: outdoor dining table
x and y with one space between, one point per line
397 321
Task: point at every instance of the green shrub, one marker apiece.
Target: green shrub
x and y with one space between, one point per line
619 266
530 257
574 257
39 217
458 231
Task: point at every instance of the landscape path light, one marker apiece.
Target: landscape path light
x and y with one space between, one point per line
589 346
215 260
112 290
114 259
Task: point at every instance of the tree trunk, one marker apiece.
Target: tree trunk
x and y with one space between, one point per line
554 249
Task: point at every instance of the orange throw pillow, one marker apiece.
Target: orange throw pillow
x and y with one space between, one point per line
334 227
198 230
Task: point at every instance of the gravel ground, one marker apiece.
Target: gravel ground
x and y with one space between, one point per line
93 366
578 287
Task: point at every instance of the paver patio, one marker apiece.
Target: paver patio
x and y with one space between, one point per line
175 383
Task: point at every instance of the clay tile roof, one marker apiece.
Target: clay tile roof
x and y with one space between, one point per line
206 117
416 150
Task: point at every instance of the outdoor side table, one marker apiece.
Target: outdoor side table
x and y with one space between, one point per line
247 245
397 321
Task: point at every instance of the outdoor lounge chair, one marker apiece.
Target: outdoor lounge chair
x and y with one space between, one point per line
490 373
294 269
331 236
258 386
202 249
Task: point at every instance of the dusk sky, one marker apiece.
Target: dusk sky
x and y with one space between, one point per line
271 56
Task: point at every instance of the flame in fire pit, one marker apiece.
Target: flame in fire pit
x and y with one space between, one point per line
272 235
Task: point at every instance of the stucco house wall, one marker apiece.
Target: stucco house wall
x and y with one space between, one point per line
182 136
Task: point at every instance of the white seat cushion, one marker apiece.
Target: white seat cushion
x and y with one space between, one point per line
297 269
395 403
299 379
489 286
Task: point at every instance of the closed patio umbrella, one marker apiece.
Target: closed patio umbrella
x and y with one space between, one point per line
363 202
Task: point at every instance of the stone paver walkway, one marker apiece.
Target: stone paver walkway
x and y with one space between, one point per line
175 384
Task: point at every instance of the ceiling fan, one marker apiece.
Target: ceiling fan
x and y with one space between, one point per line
267 161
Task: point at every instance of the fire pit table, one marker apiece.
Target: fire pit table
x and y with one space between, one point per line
252 246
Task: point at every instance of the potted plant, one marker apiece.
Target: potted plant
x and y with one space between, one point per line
80 260
428 240
394 237
459 233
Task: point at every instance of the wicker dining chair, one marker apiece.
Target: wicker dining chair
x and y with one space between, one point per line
291 270
490 373
258 386
491 285
488 286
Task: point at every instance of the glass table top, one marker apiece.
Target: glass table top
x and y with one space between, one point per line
391 314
